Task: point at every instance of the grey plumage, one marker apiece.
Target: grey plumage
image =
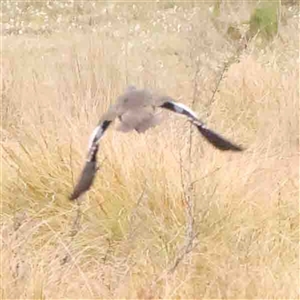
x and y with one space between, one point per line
137 110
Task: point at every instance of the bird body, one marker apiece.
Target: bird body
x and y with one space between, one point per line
136 110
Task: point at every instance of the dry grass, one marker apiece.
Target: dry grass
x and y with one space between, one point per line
131 225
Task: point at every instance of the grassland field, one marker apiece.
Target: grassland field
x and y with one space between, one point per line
62 65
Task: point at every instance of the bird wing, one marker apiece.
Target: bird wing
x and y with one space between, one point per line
87 175
90 169
212 137
102 126
98 133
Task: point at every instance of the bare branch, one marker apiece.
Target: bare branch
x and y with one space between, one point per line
188 190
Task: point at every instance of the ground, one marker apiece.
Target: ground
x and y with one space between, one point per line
169 216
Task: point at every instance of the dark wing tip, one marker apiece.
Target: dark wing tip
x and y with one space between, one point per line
168 105
85 181
73 196
78 190
217 140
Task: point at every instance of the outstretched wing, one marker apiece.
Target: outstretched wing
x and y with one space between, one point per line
214 138
87 175
98 132
89 171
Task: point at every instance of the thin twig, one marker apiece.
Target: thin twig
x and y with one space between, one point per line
234 58
190 203
71 162
134 213
225 68
195 89
186 250
76 223
188 190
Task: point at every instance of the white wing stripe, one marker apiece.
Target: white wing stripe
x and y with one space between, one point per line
179 107
96 135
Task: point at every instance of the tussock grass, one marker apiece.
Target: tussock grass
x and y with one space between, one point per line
131 226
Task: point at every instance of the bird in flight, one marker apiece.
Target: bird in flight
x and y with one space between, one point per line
136 110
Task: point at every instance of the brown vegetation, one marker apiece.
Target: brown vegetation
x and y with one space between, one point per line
128 232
